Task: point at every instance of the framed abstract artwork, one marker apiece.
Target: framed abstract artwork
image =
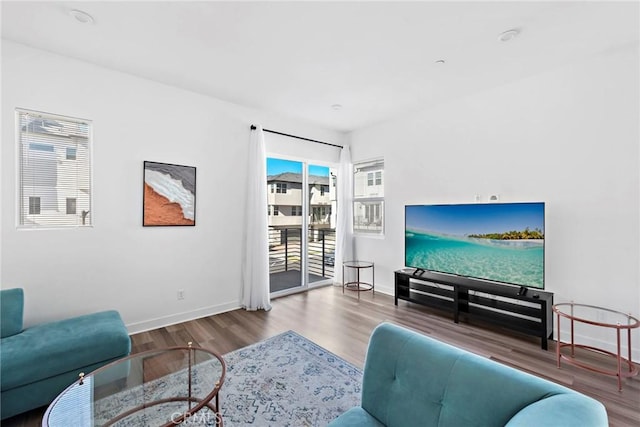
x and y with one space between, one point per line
169 196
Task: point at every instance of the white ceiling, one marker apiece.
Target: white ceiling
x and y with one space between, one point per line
376 59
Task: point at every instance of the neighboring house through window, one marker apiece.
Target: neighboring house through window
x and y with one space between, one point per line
34 205
71 206
321 214
374 178
54 170
368 197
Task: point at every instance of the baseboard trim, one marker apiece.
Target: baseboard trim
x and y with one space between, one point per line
161 322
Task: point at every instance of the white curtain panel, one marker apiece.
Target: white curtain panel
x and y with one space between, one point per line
344 222
255 259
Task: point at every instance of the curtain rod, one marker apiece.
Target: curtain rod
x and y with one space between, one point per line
253 127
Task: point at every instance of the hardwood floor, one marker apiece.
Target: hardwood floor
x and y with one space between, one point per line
342 324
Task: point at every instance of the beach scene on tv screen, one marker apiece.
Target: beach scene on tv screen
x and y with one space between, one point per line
501 242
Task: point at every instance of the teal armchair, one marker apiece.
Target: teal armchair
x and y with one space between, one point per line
413 380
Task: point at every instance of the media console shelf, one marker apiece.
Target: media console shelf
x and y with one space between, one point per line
528 312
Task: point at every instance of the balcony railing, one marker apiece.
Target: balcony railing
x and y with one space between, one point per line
285 251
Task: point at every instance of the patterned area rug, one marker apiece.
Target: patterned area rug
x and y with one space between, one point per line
284 381
287 381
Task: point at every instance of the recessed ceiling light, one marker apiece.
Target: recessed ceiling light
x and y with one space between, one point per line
440 62
82 17
509 35
337 107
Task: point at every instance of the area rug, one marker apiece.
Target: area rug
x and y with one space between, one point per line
284 381
287 381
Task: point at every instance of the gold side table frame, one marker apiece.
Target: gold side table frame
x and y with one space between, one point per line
359 285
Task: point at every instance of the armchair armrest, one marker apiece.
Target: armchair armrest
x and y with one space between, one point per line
11 311
562 410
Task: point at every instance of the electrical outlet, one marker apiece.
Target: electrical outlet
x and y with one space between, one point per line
180 293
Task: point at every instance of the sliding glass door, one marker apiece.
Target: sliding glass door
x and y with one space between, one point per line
301 209
284 198
321 229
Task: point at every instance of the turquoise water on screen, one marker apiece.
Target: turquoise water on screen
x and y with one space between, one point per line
512 261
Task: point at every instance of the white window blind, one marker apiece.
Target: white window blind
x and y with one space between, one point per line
54 170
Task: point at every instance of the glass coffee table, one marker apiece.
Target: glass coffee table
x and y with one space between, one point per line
157 388
603 318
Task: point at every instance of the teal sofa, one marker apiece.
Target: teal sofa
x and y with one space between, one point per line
412 380
39 362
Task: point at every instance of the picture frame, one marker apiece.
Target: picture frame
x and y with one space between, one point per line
169 195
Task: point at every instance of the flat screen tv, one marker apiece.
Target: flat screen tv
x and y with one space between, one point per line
498 242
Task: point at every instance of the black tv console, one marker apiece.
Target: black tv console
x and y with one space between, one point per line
508 306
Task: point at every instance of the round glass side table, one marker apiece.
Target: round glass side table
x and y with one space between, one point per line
358 285
604 318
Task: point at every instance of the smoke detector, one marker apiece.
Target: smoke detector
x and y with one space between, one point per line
509 35
81 16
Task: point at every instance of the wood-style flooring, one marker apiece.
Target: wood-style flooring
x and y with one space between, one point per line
342 324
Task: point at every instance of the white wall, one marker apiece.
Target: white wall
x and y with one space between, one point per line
118 263
568 137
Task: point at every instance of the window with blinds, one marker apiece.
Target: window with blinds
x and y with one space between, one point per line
54 170
368 197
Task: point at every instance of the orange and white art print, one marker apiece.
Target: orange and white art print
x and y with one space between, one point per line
169 194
